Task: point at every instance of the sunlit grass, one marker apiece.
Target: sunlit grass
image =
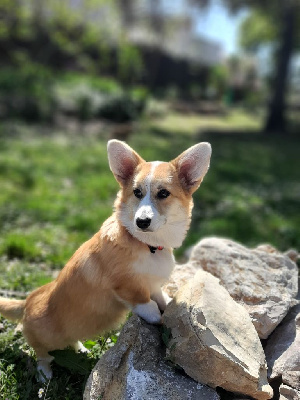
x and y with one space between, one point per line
232 120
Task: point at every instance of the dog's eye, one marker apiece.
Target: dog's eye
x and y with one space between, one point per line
138 193
163 194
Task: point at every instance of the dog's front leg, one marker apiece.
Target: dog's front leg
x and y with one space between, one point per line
148 311
44 368
161 298
137 299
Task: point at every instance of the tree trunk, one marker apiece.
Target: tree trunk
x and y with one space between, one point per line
276 119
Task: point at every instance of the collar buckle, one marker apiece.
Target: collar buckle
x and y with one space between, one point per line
153 249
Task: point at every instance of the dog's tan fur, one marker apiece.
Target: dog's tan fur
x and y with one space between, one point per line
113 271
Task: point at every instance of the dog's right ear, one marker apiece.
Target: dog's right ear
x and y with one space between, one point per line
122 160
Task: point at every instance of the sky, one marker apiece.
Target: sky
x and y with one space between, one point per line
218 24
215 22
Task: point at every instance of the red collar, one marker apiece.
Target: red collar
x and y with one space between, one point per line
153 249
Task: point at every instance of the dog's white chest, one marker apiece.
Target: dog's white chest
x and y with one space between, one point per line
159 265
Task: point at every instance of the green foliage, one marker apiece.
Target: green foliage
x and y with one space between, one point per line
75 363
31 93
254 100
123 107
257 29
8 381
166 335
130 63
26 92
92 97
70 35
218 79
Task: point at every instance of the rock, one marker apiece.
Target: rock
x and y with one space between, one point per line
135 369
264 280
213 339
288 393
283 350
180 275
291 378
292 254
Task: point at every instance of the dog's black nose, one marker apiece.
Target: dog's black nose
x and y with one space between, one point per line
143 223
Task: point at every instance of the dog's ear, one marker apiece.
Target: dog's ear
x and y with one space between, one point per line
192 165
122 160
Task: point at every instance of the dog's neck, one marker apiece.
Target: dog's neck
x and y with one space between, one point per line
168 237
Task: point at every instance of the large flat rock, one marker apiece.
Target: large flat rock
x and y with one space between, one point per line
214 340
136 369
263 280
283 350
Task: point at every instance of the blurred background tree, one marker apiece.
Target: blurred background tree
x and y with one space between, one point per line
134 34
273 22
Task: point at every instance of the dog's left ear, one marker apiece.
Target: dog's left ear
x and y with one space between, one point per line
192 165
122 160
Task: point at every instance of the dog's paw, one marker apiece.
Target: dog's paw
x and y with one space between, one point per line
79 348
44 369
165 302
162 299
149 312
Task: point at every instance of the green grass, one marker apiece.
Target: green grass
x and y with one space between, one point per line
56 190
18 368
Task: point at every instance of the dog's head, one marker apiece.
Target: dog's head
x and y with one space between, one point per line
155 200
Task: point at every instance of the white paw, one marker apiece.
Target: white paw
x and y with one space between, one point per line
149 312
167 298
162 299
44 369
79 348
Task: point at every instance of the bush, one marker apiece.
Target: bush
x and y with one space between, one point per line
80 100
32 93
124 107
88 97
27 93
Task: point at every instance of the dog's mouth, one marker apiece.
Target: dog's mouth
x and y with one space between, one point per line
147 230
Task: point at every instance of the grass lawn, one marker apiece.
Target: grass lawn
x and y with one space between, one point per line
56 190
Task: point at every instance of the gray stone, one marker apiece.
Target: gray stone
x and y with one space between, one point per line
292 254
214 340
136 369
263 280
283 350
291 378
180 275
288 393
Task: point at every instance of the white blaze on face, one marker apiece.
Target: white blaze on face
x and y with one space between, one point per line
146 207
169 220
167 228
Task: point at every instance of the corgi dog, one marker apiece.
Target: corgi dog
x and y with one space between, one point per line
123 266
